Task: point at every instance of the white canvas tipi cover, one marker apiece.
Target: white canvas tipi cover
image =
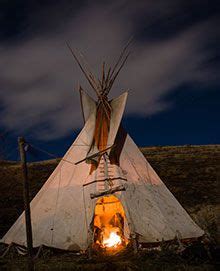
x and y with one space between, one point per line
63 209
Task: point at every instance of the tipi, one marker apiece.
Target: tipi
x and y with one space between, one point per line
103 192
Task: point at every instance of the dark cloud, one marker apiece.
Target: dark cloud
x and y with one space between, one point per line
39 79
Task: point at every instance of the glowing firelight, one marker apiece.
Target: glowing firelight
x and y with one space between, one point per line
113 240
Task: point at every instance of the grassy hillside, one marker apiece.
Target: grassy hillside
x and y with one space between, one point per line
192 174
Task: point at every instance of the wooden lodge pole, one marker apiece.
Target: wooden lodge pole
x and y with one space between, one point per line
21 143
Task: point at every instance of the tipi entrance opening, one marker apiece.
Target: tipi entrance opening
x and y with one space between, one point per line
109 224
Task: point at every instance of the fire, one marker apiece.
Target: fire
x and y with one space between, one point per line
113 241
109 225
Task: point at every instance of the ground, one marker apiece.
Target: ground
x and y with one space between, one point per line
191 173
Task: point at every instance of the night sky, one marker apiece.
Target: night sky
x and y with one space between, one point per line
172 74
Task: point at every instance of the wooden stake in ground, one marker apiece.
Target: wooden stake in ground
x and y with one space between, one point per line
21 143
